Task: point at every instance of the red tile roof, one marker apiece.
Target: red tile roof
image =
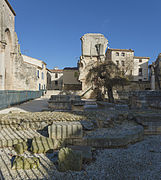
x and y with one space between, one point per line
55 70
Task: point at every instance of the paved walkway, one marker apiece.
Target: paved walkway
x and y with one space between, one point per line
36 105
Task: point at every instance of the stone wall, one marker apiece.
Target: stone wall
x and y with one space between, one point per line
14 73
145 99
75 87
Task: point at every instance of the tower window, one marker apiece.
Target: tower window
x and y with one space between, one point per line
117 53
56 75
140 71
38 73
123 63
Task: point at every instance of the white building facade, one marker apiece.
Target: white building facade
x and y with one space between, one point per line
41 71
55 79
132 65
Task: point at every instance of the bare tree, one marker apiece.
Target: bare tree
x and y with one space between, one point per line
107 75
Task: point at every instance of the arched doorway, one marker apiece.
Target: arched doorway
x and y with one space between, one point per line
8 61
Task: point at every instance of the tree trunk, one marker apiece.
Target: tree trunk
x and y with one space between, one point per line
110 95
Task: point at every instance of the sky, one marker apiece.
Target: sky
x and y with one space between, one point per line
50 30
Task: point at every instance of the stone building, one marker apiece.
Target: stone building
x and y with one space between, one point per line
55 79
140 72
155 74
14 73
132 65
93 50
70 79
41 71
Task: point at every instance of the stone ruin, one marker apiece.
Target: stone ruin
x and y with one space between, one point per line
65 102
145 99
71 134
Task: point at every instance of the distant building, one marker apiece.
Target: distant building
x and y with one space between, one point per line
70 79
140 72
41 72
132 65
55 79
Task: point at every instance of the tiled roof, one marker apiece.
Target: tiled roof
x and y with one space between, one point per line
56 70
71 68
127 50
139 57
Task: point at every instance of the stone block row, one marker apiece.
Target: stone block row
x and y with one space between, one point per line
65 130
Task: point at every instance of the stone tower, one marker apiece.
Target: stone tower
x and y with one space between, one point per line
93 50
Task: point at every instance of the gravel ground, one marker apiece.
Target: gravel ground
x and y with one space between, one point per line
141 161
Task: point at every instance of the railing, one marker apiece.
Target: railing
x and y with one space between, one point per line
9 97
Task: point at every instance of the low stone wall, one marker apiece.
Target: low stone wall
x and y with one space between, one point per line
75 87
145 99
8 98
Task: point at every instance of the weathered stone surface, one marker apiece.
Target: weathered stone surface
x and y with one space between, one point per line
64 130
150 121
20 148
110 138
42 145
87 125
86 152
9 136
25 163
69 160
117 138
122 107
65 102
145 99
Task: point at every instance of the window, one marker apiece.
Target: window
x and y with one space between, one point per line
117 53
42 66
140 80
39 86
56 75
44 86
117 62
140 72
42 75
38 73
140 60
56 83
122 54
130 72
123 63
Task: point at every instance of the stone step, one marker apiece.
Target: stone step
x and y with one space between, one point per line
151 123
65 130
9 136
105 138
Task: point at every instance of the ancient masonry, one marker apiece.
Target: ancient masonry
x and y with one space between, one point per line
14 73
93 49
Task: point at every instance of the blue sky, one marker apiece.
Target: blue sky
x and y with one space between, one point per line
51 29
